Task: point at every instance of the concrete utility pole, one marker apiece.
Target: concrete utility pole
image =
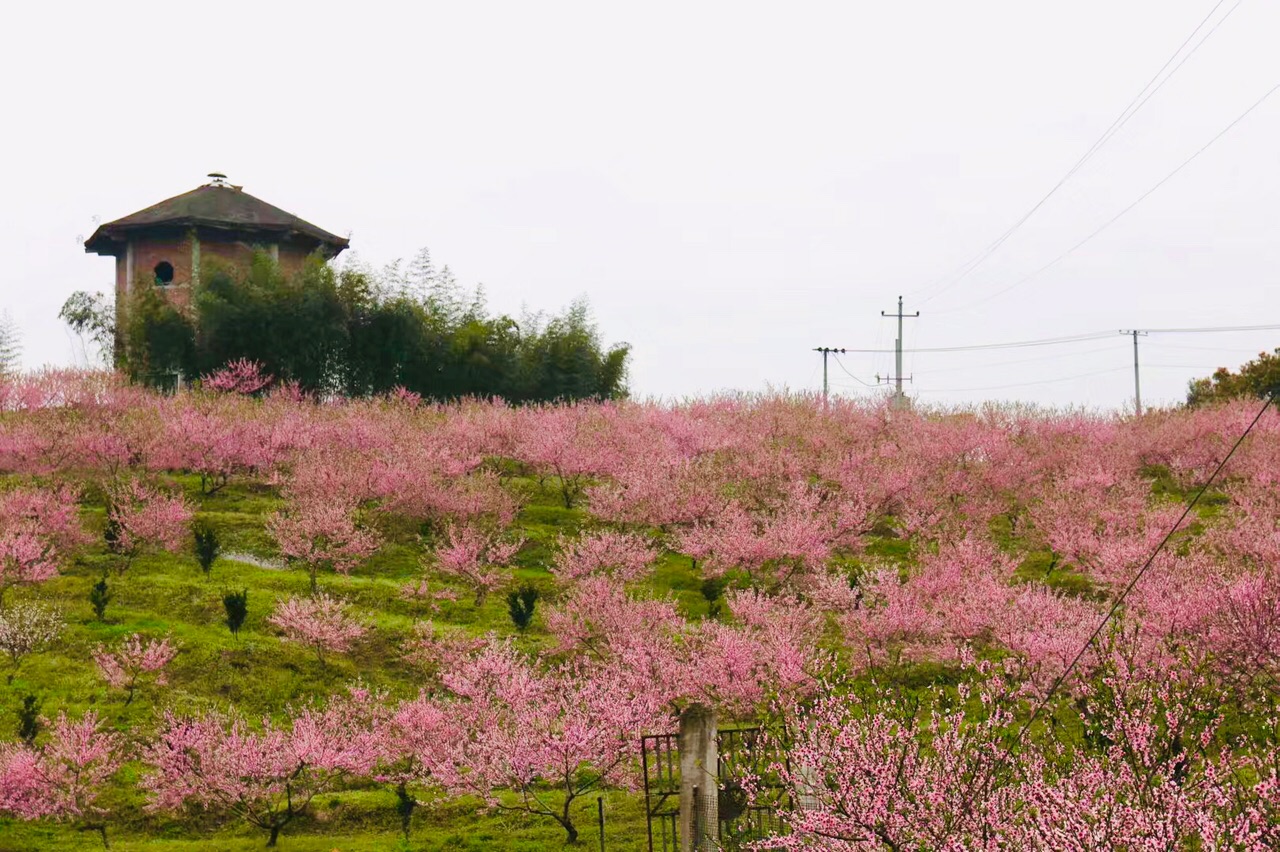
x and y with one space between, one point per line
1137 386
826 350
898 397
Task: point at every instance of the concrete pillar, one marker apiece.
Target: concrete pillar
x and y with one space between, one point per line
128 267
195 259
699 768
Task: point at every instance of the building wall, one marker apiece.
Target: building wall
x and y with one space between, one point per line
182 252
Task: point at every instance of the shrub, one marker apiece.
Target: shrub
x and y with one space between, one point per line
520 604
99 597
713 591
237 606
29 719
207 546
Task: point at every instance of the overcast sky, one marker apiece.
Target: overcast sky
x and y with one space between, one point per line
730 184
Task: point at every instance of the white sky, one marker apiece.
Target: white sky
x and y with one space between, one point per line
730 184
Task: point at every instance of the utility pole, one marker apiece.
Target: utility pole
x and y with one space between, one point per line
826 350
898 398
1137 386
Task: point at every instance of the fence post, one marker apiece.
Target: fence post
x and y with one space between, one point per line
699 769
600 810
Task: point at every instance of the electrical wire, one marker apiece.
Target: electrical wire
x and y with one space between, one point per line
1107 224
1216 328
1120 599
1017 344
1124 347
841 365
1025 384
1130 110
1237 351
1066 339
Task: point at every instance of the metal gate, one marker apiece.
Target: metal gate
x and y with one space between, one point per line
742 752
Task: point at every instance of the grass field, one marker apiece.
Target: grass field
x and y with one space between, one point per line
260 673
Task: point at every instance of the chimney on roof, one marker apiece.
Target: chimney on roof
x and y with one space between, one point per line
217 179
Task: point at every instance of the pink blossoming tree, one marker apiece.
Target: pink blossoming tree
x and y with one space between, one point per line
624 555
268 776
477 557
62 779
141 517
550 735
322 623
134 663
242 376
319 529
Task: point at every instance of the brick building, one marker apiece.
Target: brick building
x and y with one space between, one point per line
164 244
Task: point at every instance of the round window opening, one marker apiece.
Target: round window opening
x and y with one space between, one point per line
164 273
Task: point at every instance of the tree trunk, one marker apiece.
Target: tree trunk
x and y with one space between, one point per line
405 803
275 832
570 829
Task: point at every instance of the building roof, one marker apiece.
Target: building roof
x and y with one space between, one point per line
214 205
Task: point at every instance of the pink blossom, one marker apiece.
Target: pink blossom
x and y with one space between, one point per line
321 622
319 528
266 777
562 730
238 377
477 557
63 778
624 555
143 517
134 662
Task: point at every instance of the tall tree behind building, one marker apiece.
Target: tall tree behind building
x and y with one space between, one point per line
356 332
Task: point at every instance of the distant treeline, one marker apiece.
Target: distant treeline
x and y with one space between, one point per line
353 331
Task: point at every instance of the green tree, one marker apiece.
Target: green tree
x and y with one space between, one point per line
1257 378
158 340
356 332
295 326
92 316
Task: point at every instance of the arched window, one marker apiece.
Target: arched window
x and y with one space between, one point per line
164 273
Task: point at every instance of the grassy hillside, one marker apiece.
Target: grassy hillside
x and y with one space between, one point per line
260 673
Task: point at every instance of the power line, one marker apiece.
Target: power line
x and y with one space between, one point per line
841 365
1133 204
1019 361
1130 110
1066 339
1217 328
1235 351
1024 384
1119 601
1017 344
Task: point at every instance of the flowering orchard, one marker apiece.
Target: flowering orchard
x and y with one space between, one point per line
906 603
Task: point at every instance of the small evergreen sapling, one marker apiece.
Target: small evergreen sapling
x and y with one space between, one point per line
99 597
713 591
237 606
520 604
207 546
29 719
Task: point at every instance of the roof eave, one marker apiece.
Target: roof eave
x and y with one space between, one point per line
110 238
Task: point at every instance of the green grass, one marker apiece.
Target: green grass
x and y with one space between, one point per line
261 675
